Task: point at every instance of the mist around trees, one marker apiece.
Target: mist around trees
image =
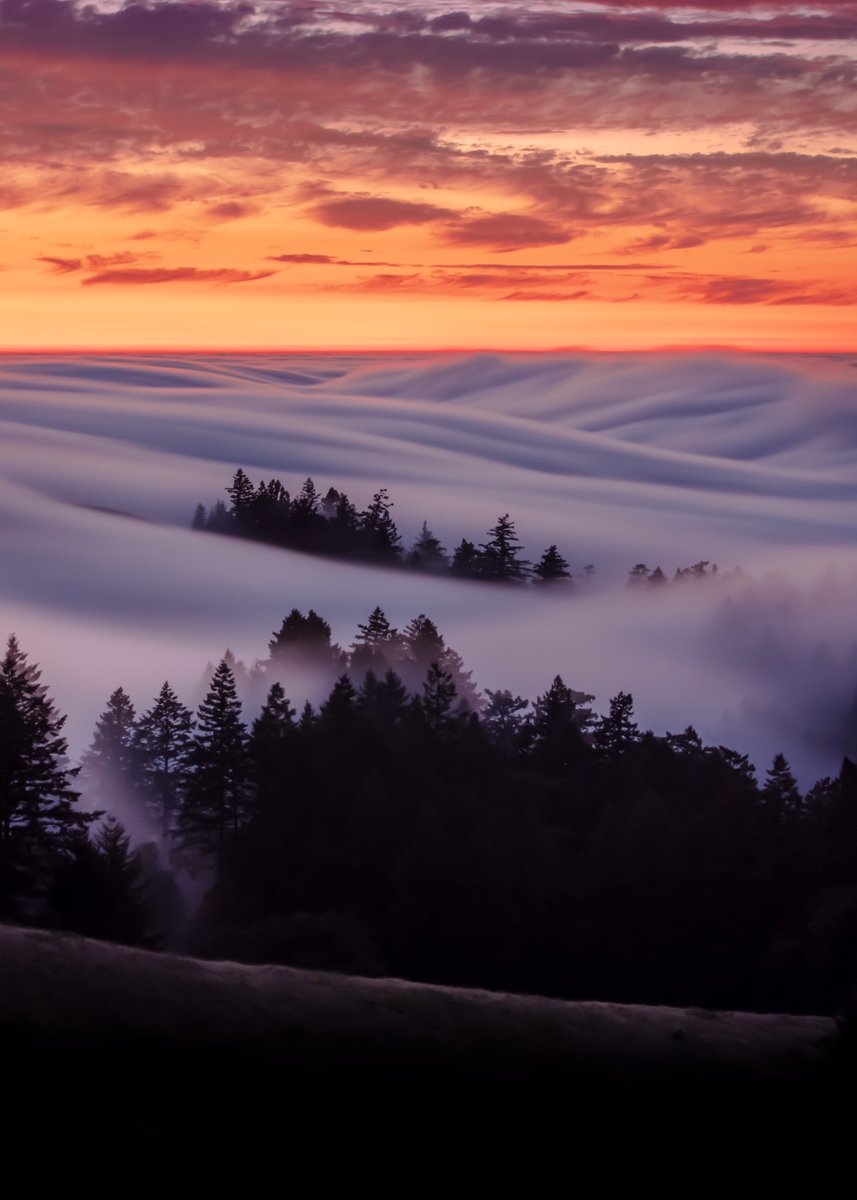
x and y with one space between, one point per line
413 826
331 525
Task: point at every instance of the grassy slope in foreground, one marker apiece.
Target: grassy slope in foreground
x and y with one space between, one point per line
134 1012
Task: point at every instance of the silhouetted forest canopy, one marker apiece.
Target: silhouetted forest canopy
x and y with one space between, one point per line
412 826
331 525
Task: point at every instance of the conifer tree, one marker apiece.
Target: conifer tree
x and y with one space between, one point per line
639 573
163 742
200 517
330 503
376 644
422 642
306 503
271 739
341 704
617 731
241 492
552 567
38 817
657 576
438 697
378 529
384 700
427 554
502 720
466 560
500 560
780 792
219 519
110 767
216 802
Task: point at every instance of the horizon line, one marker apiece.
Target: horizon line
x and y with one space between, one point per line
664 348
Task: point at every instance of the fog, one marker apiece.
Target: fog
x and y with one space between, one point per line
746 461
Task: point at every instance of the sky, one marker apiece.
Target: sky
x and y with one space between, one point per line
366 175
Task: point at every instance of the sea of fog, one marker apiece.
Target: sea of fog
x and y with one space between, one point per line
746 461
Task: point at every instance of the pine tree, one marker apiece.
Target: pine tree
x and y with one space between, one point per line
241 492
469 699
302 640
427 554
466 560
552 567
780 792
499 560
376 644
657 576
384 700
438 698
219 519
163 741
341 704
216 802
38 817
306 503
378 529
502 720
110 768
639 573
617 731
422 642
557 725
330 503
200 518
271 740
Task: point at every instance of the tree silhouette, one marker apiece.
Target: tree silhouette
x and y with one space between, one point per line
241 492
272 738
427 554
437 698
617 731
552 567
216 802
502 719
200 517
379 529
780 792
500 559
38 817
164 741
466 560
110 766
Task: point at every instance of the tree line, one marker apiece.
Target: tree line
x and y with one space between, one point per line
331 525
409 825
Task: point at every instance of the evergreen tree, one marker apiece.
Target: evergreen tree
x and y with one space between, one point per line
438 698
163 743
219 519
466 560
384 700
302 640
378 529
216 802
780 792
552 567
657 576
617 731
110 767
502 720
469 699
556 726
376 644
272 738
38 817
330 503
306 503
499 560
241 492
200 517
422 642
427 554
639 573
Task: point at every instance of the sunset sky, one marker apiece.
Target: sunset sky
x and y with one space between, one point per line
371 175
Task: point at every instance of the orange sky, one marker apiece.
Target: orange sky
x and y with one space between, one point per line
369 175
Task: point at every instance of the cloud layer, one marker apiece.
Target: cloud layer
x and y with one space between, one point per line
748 462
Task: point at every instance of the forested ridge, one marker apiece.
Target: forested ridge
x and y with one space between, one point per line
410 825
332 526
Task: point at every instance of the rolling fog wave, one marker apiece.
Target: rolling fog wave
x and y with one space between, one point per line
745 461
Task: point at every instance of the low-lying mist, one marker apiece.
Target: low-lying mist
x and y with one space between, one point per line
748 462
